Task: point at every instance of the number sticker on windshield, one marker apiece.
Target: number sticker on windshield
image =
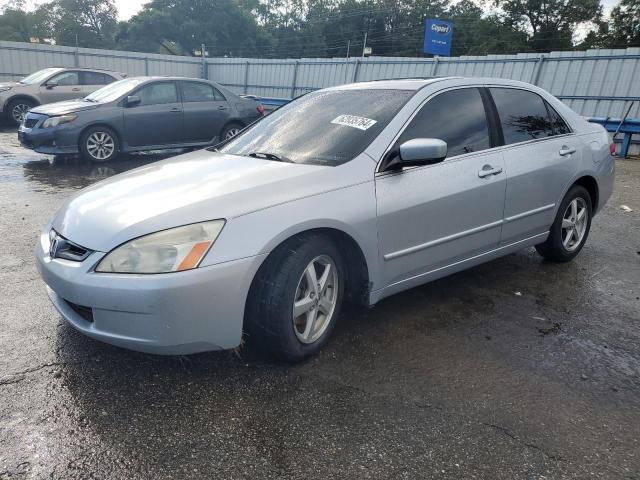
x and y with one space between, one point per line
361 123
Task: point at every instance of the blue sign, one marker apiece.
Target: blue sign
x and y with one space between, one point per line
437 37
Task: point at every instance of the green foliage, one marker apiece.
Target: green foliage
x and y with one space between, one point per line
323 28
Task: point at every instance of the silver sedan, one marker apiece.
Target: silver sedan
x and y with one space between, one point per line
350 193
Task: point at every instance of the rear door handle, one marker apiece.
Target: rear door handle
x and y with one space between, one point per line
488 170
176 110
566 151
75 89
222 107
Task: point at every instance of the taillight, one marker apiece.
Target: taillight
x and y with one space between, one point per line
260 109
612 149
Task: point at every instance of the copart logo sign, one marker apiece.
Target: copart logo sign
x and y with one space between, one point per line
441 28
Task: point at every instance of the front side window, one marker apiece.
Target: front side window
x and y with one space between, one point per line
523 115
198 92
458 117
66 79
158 94
327 127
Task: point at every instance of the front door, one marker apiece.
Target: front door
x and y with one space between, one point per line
157 119
433 216
540 160
63 86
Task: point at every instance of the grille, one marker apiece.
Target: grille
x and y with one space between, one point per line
84 312
30 122
60 247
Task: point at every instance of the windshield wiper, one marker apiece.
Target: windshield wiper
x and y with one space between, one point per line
87 99
270 156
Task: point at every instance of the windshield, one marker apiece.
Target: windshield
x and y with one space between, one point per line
114 90
39 76
322 128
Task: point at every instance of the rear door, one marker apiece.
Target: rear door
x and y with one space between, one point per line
67 86
540 158
433 216
157 119
206 111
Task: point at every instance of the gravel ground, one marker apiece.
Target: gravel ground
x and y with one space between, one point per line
517 369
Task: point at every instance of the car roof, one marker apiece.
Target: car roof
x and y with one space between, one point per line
419 83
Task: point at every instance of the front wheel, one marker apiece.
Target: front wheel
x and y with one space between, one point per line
571 227
99 144
296 297
18 109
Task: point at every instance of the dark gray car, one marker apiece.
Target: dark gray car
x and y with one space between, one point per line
142 113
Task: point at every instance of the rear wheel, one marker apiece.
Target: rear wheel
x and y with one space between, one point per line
99 144
230 131
295 298
17 109
571 227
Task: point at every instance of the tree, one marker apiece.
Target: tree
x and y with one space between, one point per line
92 22
625 25
550 23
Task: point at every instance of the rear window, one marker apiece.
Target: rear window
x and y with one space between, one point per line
322 128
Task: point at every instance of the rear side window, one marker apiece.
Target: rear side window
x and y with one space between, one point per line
158 93
458 117
523 115
95 78
200 92
559 125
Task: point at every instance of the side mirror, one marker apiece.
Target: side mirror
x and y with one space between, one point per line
422 151
132 101
51 84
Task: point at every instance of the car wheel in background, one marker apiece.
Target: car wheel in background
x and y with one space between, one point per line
295 299
230 131
571 227
18 108
99 144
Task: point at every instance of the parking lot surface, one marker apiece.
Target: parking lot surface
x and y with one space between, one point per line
517 369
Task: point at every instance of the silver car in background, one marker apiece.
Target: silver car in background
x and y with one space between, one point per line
51 85
349 193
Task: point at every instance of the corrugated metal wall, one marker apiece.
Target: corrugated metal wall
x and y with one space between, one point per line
594 83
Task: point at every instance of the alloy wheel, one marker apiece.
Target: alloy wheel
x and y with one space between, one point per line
19 111
315 299
101 145
574 224
232 132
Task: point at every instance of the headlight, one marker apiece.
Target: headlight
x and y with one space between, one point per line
54 121
173 250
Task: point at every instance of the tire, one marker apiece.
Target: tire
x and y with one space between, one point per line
16 109
270 320
99 144
230 130
565 242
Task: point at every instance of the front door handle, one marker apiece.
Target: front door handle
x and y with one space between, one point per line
566 151
488 170
175 110
75 89
222 107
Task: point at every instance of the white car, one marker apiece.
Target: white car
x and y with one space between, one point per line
353 192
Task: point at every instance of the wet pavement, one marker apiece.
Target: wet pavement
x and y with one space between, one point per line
517 369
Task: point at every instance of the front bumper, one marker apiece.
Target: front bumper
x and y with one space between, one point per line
170 314
60 140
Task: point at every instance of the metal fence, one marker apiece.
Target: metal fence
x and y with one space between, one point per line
594 83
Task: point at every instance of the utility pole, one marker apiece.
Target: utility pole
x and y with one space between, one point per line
364 45
348 47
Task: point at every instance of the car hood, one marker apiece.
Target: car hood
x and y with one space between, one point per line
9 84
63 108
190 188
